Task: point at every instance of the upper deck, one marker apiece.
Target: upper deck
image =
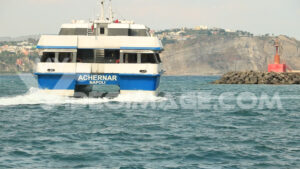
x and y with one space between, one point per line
104 28
100 43
103 33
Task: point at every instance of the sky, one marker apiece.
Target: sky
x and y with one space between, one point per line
31 17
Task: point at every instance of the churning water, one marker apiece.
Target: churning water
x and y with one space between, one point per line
191 124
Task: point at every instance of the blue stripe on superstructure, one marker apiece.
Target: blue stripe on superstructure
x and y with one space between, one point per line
141 48
56 47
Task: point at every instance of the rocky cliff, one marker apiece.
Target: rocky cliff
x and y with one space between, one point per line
218 54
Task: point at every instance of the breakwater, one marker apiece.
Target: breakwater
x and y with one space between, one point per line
253 77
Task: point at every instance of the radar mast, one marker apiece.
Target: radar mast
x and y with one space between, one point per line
111 17
102 17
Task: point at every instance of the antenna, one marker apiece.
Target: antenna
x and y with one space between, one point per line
277 56
281 48
102 10
111 17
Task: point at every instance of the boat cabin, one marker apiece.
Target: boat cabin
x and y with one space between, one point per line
100 56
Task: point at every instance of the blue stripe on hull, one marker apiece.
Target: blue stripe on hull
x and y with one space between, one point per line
148 83
125 81
57 82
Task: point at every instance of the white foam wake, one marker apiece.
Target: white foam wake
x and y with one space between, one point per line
35 96
138 97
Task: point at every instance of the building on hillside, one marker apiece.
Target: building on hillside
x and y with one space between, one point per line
201 27
24 43
229 30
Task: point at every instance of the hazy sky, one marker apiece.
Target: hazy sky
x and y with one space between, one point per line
27 17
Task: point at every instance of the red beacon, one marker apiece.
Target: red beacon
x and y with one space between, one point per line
277 66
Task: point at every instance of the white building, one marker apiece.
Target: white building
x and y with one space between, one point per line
229 30
201 27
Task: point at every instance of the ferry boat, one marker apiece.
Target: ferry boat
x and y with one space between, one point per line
104 51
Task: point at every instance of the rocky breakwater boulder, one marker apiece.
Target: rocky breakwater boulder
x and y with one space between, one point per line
252 77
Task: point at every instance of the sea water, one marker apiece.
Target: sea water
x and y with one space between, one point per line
190 124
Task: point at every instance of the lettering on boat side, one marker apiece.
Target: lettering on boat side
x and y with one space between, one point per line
96 79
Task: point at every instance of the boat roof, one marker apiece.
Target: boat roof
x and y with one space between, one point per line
109 25
99 42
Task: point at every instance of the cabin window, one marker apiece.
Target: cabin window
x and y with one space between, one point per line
102 31
85 56
118 32
73 31
158 58
99 56
48 57
137 32
130 58
148 58
65 57
112 56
